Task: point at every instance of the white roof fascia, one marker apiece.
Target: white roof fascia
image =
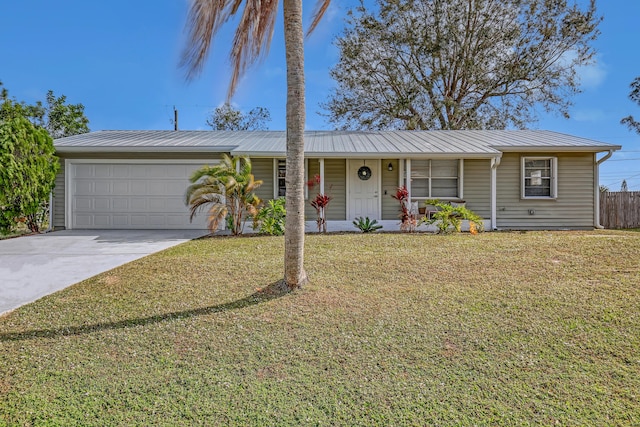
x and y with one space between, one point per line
142 149
558 149
395 155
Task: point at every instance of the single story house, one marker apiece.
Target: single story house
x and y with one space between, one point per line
515 179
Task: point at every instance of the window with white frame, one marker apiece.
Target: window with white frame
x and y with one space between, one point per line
435 178
539 177
280 178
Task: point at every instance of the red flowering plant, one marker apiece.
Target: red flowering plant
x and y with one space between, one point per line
408 220
319 203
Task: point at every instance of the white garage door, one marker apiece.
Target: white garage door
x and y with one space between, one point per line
131 195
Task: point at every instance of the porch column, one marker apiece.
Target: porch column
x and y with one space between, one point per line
495 162
408 177
321 169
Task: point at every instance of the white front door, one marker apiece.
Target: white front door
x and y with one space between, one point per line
364 186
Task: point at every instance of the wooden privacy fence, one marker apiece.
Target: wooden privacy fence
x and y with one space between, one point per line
620 209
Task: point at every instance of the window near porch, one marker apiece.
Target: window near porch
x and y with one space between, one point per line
434 179
281 174
539 177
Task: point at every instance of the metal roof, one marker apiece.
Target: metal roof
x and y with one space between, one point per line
344 144
148 140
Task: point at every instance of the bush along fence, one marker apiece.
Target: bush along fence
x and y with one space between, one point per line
620 209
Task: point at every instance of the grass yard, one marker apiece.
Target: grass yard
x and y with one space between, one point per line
537 328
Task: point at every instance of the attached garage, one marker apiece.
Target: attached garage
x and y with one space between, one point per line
129 194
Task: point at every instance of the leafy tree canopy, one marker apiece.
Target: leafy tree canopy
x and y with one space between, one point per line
57 117
229 118
459 64
28 171
634 95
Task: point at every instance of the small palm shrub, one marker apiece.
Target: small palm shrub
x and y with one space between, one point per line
366 225
449 218
228 190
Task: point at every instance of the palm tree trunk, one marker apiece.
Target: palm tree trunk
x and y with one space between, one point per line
294 273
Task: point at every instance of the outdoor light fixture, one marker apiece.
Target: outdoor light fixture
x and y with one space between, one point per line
390 167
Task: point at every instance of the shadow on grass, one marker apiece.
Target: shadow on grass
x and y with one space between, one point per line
272 291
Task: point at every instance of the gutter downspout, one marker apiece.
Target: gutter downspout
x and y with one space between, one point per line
495 162
596 205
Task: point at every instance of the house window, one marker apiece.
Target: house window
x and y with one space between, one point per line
281 173
435 179
539 177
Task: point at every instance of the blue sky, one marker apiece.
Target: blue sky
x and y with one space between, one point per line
119 58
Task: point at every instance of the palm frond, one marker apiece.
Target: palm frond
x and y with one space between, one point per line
252 39
196 204
318 13
217 213
203 22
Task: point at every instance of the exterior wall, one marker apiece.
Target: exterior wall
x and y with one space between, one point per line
335 185
477 186
263 169
390 206
313 170
59 200
573 208
58 207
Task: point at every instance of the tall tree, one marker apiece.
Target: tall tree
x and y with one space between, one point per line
28 172
229 118
459 64
634 95
55 115
252 38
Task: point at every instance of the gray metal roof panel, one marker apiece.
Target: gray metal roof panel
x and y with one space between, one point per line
475 143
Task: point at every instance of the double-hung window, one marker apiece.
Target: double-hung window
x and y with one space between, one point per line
280 178
280 166
539 177
435 179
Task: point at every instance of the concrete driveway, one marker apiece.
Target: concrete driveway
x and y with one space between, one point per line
34 266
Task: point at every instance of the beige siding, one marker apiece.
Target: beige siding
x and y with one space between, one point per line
263 169
390 206
477 186
335 184
313 170
58 207
573 207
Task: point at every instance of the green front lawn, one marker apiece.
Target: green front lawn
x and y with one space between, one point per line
537 328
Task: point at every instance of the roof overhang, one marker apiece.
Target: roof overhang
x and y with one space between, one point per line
370 155
559 149
143 149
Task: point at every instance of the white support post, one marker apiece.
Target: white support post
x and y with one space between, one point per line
495 162
461 179
408 180
321 166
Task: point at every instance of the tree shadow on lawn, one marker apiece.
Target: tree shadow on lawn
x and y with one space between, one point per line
268 293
